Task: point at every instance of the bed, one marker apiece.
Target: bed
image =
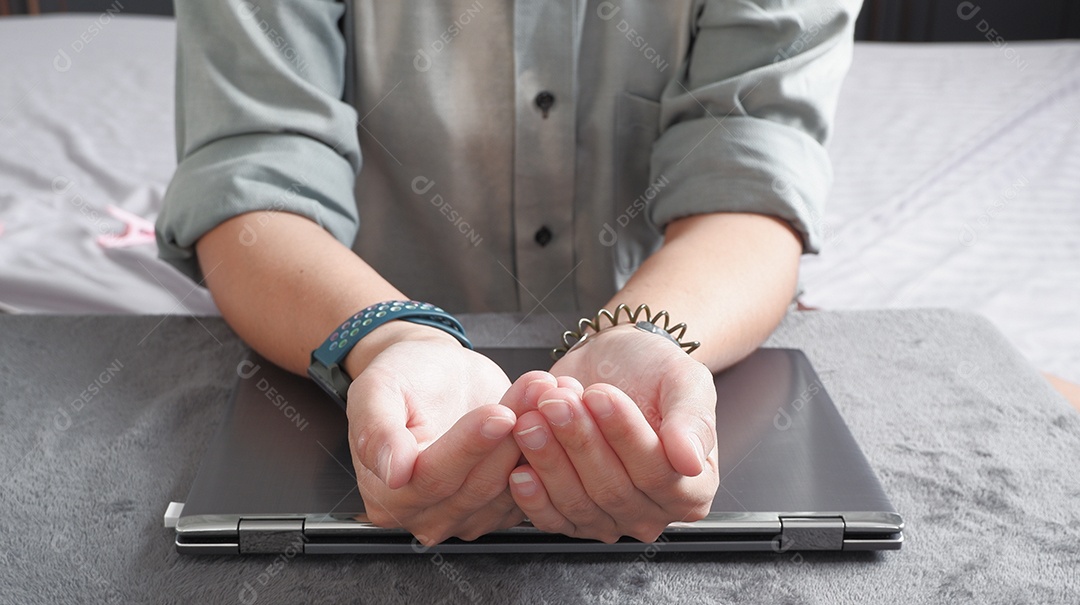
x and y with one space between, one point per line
957 180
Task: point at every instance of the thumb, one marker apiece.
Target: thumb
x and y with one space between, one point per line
523 395
378 432
688 419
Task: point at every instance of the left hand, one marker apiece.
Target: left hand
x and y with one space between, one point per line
628 453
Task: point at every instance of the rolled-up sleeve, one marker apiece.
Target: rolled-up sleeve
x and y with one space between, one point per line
744 124
260 121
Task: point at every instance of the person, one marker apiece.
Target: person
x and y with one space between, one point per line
534 156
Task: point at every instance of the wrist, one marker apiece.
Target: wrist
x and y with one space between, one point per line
382 337
641 319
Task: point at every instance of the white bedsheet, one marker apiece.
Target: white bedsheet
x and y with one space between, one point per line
86 120
958 185
957 179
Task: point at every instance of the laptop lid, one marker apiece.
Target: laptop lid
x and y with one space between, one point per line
278 476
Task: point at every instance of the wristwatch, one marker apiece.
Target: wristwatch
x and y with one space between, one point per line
325 368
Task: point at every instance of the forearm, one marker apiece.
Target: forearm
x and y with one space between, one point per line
284 283
729 277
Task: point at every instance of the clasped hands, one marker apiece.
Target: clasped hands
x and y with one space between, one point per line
618 439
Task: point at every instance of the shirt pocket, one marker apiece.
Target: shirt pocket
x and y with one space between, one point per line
634 237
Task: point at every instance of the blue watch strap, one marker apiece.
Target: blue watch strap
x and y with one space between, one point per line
325 368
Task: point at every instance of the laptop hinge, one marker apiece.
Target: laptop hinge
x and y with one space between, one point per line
811 533
271 536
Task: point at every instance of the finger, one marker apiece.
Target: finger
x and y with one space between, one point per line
688 428
485 483
633 440
569 382
532 499
556 471
442 468
522 395
600 468
500 513
378 431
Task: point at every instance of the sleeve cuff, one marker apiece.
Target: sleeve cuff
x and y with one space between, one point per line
269 172
742 164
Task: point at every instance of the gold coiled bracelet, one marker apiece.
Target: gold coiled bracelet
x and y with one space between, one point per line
650 323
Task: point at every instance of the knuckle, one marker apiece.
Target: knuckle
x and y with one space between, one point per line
553 526
578 440
654 480
704 420
434 485
478 490
580 508
470 534
618 428
430 536
614 496
699 512
609 537
646 531
512 520
380 516
692 508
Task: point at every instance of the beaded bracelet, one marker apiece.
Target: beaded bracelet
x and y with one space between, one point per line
650 323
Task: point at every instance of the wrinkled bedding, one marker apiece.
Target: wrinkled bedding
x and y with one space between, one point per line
85 126
958 185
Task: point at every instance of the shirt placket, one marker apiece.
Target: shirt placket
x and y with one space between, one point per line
544 151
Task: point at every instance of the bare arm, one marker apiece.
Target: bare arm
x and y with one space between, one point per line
283 283
729 277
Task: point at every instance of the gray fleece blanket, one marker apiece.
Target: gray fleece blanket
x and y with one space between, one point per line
105 418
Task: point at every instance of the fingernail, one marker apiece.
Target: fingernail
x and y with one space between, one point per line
556 411
534 438
535 388
695 441
496 427
599 403
383 463
524 483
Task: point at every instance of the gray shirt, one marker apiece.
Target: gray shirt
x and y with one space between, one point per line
503 154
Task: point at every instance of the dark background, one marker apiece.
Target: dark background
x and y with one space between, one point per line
884 20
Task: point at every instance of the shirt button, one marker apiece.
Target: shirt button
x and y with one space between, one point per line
544 100
543 236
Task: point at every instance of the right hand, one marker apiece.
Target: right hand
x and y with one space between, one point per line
430 443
